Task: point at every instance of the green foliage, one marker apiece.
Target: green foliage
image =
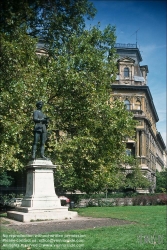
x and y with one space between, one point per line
100 203
53 20
5 180
26 78
19 91
161 181
74 81
133 177
90 160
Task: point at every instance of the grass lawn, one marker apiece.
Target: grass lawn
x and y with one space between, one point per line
149 232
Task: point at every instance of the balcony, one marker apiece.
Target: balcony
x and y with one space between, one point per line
137 111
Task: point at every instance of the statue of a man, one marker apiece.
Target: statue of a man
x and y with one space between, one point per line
40 130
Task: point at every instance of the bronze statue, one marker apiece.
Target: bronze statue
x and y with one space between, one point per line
40 130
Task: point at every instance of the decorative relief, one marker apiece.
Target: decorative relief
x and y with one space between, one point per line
129 98
148 108
138 98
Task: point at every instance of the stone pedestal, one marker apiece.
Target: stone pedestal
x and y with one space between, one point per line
40 201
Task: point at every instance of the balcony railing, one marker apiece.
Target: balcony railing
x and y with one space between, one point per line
125 45
136 111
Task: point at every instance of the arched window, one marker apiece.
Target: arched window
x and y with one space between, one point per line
127 104
126 72
138 105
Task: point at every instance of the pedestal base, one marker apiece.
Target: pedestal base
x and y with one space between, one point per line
40 190
40 201
27 215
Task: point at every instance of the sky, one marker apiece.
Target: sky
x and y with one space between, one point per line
143 22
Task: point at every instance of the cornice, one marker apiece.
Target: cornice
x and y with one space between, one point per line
161 141
126 59
160 161
139 88
140 117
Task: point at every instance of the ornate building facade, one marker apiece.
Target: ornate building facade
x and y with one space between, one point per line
131 88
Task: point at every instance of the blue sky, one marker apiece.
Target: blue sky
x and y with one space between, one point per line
149 18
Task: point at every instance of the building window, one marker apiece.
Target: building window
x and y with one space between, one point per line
128 152
127 104
130 149
138 105
126 72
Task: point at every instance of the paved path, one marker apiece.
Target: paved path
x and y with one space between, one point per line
63 225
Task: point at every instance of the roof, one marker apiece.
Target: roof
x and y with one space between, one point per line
124 51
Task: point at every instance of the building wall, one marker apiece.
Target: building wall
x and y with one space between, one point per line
131 88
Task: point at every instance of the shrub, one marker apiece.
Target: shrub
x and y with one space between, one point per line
155 199
101 203
117 201
162 199
136 201
126 201
145 200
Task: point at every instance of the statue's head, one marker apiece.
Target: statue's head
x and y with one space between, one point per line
39 103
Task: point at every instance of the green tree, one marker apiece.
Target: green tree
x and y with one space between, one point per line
19 75
23 74
53 20
161 181
75 85
133 176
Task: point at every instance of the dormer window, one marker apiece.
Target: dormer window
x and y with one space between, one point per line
126 72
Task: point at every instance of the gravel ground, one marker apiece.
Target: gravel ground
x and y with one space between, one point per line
62 225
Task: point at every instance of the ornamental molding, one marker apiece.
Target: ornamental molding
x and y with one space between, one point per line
127 82
129 98
138 98
126 60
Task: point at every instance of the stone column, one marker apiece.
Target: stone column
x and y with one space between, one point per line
142 146
138 144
